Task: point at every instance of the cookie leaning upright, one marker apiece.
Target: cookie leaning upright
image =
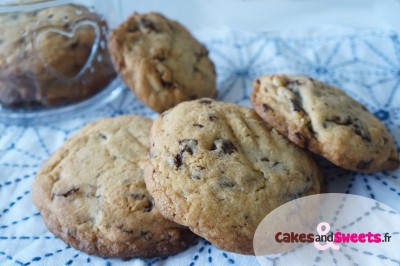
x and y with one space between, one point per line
220 169
325 120
161 61
92 195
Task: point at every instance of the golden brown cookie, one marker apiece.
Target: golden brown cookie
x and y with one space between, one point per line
161 61
52 56
92 195
220 169
325 120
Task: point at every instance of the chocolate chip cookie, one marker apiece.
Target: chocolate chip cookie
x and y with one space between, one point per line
52 56
219 169
325 120
92 195
161 61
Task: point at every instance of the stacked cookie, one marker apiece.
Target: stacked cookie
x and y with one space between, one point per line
127 186
52 56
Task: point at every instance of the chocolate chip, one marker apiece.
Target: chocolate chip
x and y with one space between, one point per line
151 200
264 159
228 147
224 183
296 106
301 139
212 117
178 160
223 144
360 131
311 130
50 16
186 145
199 168
158 56
198 125
266 107
102 136
148 25
132 28
205 101
74 45
137 196
363 134
69 193
258 81
338 120
385 140
200 55
20 41
196 176
171 235
33 13
148 207
294 83
362 165
298 195
166 84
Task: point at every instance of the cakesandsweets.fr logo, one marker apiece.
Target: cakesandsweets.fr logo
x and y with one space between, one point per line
332 240
329 229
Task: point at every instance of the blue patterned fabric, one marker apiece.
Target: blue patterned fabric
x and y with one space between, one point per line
366 64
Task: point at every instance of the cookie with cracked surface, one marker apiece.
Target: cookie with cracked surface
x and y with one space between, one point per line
92 195
52 56
325 120
161 61
219 169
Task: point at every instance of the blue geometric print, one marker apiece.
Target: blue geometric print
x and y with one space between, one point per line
366 64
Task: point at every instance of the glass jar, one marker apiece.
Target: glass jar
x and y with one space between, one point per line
54 57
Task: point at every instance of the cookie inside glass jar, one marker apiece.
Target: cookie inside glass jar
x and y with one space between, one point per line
52 56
